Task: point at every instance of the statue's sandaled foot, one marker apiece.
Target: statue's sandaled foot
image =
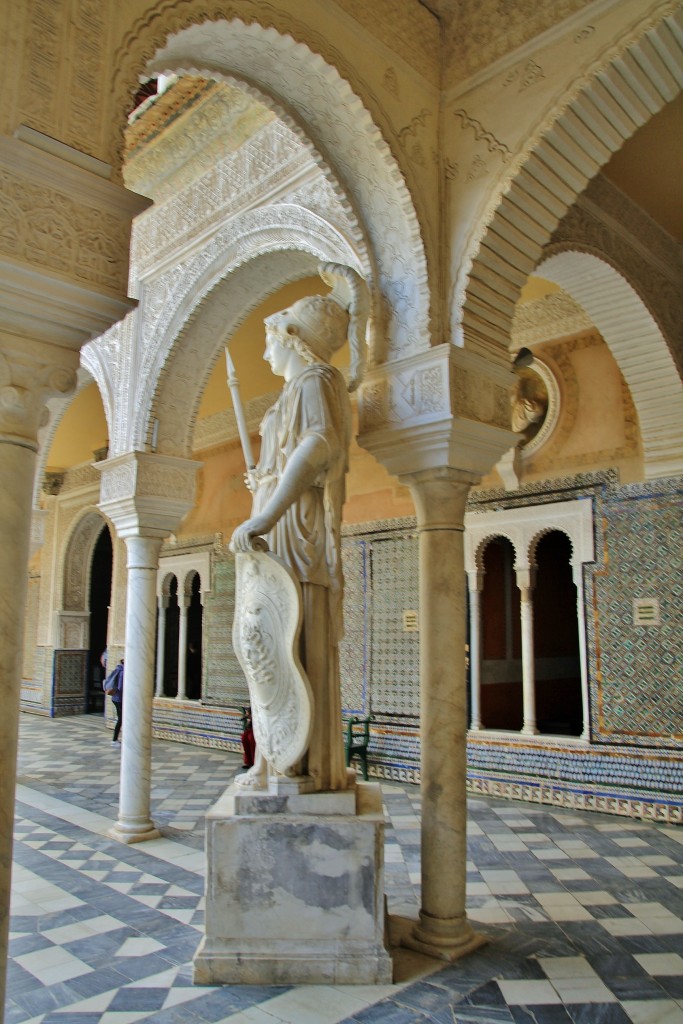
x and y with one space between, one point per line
256 777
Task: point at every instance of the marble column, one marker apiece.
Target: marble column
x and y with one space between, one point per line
161 640
443 930
183 602
525 582
27 380
134 822
146 497
577 572
475 583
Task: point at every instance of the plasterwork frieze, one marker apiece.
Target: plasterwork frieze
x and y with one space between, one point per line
233 184
554 316
50 228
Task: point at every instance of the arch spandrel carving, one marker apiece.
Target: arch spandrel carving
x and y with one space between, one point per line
556 163
319 105
77 560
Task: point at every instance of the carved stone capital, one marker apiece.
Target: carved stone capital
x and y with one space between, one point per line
147 495
443 408
30 373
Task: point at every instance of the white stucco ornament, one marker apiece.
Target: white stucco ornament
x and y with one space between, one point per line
265 638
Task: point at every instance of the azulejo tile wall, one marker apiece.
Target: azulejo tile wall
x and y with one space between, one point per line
634 671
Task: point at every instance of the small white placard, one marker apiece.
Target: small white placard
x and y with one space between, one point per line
411 622
646 611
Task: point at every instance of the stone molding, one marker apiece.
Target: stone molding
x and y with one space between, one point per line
146 495
216 293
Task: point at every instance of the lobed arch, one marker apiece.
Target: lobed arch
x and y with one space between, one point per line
524 527
638 346
228 292
311 97
582 136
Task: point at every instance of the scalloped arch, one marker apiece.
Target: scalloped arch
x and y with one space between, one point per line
638 347
318 104
496 534
583 135
545 531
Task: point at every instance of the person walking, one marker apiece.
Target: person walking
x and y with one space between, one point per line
113 687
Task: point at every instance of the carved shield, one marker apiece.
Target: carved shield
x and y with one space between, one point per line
265 636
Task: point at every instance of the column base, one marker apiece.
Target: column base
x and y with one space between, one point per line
137 835
529 730
447 939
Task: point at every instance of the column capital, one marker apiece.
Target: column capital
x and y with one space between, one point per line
444 407
30 373
147 495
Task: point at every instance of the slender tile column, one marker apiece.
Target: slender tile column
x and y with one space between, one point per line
525 582
161 637
183 602
475 583
443 930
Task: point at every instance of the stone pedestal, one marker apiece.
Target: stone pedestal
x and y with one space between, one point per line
294 889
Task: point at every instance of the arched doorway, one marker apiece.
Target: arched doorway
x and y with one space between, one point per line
193 655
501 693
556 639
99 600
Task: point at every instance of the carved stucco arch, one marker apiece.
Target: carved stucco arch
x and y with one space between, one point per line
638 347
479 549
568 151
77 561
321 108
233 284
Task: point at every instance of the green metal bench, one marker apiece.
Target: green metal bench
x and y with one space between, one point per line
356 742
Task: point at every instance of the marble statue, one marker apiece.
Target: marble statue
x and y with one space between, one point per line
298 492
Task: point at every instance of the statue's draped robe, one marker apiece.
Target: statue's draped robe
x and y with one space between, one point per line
307 538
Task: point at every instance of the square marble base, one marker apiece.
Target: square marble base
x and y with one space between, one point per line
295 890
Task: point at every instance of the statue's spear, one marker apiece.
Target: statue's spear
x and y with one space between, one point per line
242 429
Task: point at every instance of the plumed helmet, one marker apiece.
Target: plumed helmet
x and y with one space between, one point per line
323 322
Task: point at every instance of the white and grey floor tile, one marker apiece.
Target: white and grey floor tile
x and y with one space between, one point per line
584 913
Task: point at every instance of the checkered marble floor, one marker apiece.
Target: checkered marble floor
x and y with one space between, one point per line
584 912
